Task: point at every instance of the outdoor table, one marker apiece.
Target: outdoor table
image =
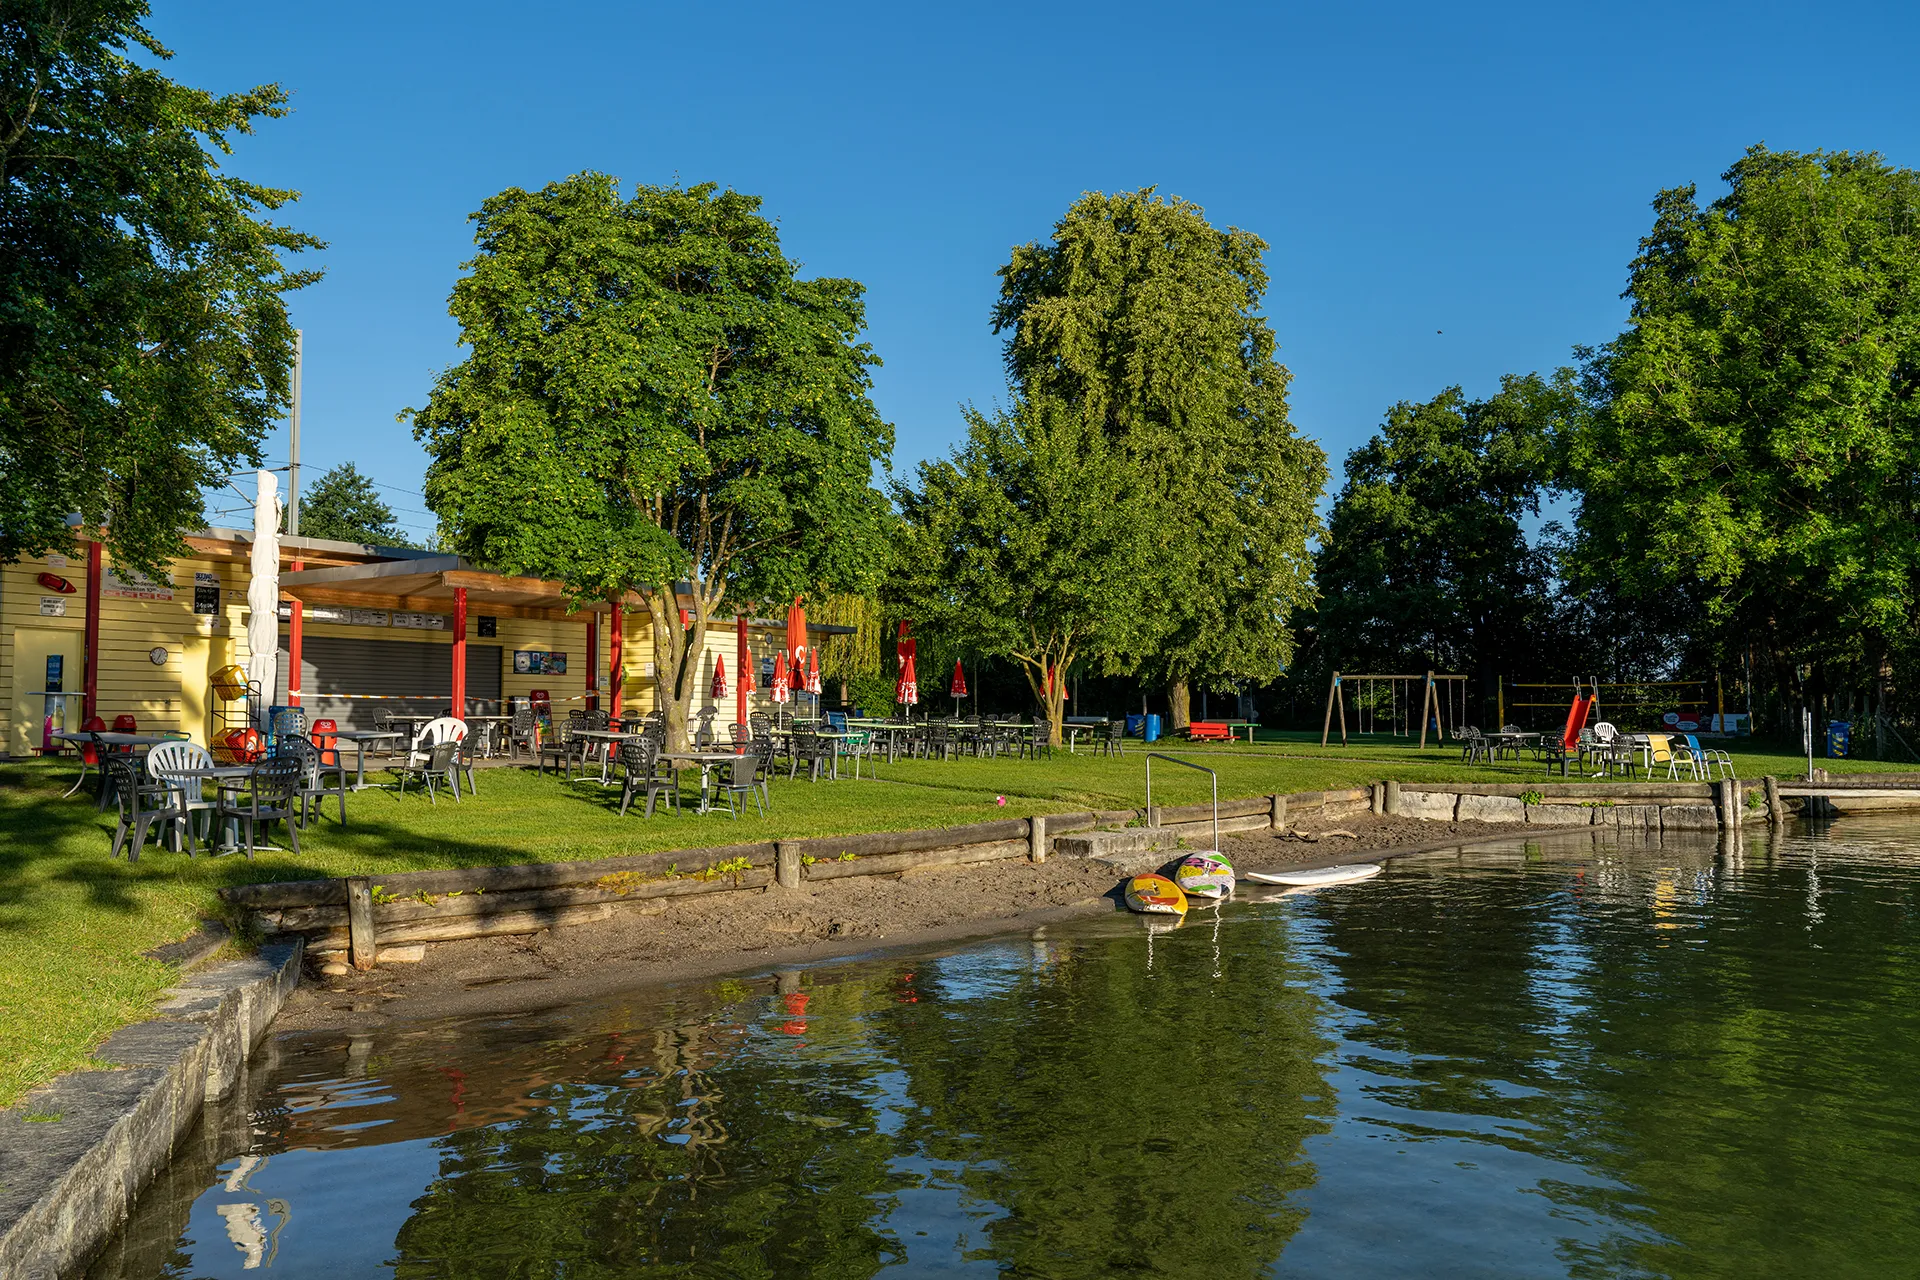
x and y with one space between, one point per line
607 738
487 723
226 777
706 760
1074 728
360 738
888 727
106 738
1500 741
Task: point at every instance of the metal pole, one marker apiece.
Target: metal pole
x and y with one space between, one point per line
293 440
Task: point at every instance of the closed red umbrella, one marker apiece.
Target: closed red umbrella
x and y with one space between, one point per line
813 672
782 689
908 690
719 677
958 689
747 682
904 647
797 636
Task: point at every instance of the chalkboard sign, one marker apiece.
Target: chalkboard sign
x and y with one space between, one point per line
206 599
489 626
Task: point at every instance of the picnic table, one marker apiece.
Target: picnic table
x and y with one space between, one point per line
706 760
1509 741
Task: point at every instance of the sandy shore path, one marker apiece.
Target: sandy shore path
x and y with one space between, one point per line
694 937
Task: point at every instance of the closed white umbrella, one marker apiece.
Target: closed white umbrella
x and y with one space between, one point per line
263 594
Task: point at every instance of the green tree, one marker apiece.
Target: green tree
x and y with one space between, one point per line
655 403
1144 319
144 339
1030 543
345 506
1426 563
1754 439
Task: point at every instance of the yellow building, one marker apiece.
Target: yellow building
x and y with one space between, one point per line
377 629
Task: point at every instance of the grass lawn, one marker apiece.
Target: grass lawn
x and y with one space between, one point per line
75 923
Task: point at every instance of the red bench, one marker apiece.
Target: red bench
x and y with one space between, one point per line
1209 731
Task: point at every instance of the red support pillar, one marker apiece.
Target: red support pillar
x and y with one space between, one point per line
615 683
296 630
741 658
90 661
459 652
593 662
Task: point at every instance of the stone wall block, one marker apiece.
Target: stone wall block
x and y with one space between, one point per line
1491 809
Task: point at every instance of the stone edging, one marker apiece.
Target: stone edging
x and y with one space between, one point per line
68 1183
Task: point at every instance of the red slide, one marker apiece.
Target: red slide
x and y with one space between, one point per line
1576 720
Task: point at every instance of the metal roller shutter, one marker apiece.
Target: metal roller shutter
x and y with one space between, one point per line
413 677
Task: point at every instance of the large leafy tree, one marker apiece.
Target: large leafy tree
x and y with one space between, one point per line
1426 564
346 506
654 402
144 339
1144 319
1030 543
1757 435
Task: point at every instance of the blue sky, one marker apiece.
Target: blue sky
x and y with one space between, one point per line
1479 170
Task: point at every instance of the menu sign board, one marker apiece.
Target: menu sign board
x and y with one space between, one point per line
131 584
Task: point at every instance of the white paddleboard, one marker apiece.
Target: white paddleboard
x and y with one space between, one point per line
1316 876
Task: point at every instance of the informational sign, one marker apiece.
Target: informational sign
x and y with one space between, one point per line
53 606
339 615
56 562
766 668
205 599
423 621
489 626
131 584
56 671
538 662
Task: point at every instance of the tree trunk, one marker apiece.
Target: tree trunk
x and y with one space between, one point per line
676 661
1179 705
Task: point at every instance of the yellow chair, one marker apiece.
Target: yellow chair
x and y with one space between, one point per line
1659 751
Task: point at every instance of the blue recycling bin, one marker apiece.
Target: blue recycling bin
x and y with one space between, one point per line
1153 729
1839 738
1136 726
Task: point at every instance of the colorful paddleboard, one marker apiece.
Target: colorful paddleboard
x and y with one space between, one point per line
1318 875
1205 875
1156 895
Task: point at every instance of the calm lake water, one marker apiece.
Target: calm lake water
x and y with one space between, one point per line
1580 1059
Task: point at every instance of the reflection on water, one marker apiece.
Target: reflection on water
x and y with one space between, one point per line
1562 1058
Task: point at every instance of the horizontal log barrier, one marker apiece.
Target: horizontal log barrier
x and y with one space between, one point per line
823 848
887 864
527 875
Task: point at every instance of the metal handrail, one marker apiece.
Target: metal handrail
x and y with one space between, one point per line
1151 817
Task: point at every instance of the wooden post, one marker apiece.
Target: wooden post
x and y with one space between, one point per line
1776 812
786 864
1425 698
360 944
459 708
1037 838
1499 703
1326 727
1279 816
1376 797
1390 804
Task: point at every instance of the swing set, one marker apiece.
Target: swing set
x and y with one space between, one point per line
1443 705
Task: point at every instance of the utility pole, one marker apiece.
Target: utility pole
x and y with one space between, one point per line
293 442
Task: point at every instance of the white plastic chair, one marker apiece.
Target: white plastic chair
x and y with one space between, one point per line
167 759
